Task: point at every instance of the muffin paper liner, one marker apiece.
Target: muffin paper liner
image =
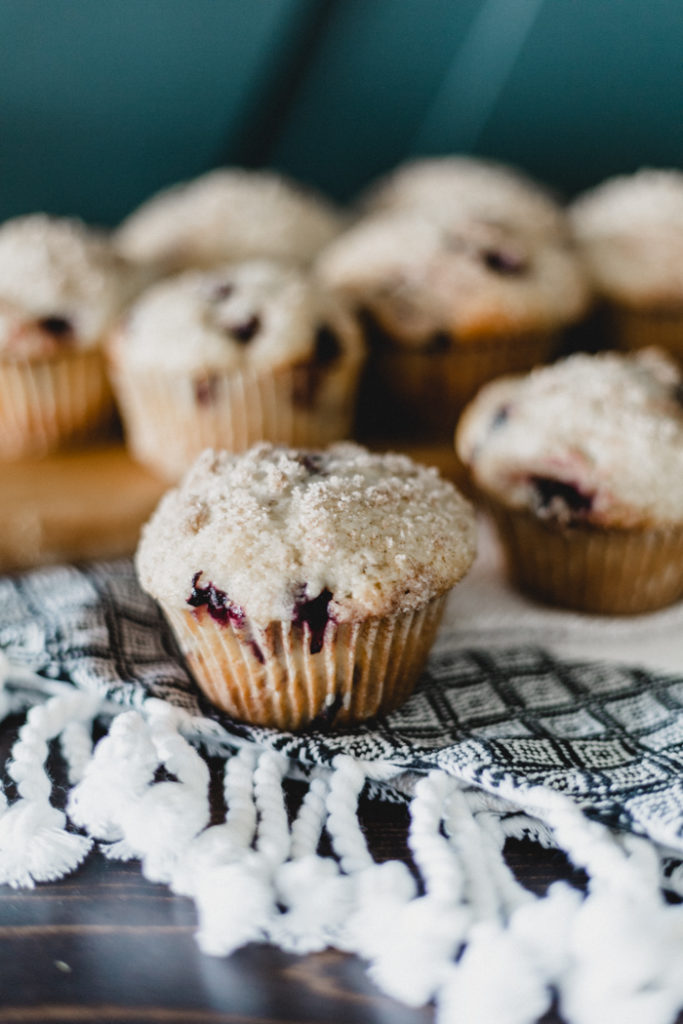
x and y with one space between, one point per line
271 677
424 391
589 569
170 419
634 330
45 404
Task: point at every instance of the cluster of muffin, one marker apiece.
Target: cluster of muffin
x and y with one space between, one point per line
238 314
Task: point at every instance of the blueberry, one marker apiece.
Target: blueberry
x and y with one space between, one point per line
314 613
549 491
217 603
247 330
327 347
312 462
58 326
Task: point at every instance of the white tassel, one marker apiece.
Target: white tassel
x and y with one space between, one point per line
236 901
34 843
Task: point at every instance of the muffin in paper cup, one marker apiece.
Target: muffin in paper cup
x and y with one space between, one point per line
305 587
448 300
580 466
231 356
47 404
629 231
61 286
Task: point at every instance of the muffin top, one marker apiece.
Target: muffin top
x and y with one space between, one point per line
591 439
493 192
241 316
228 214
61 285
630 230
424 279
277 533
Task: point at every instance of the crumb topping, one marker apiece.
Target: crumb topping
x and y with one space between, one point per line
287 534
249 315
630 230
60 283
228 214
419 275
597 439
491 191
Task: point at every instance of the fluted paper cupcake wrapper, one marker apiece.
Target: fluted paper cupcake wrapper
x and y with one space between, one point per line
634 330
45 404
170 418
602 571
271 677
427 390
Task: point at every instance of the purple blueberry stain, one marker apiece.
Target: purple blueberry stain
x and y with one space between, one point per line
314 613
325 719
206 390
60 327
504 261
500 417
247 330
548 492
217 603
222 291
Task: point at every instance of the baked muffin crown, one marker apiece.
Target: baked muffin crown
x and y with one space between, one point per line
59 282
487 189
630 231
275 530
421 275
253 315
228 214
590 439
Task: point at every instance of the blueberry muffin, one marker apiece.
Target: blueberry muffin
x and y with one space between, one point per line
228 214
447 304
305 587
630 233
581 465
61 286
227 357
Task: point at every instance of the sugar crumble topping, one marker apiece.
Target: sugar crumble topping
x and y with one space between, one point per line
229 214
597 439
60 283
276 528
419 274
492 191
630 229
249 315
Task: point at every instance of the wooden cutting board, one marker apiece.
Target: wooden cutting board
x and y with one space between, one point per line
88 504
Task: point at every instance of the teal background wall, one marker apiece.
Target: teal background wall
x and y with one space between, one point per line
104 101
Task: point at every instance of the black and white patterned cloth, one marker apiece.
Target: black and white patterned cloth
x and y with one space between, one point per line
608 736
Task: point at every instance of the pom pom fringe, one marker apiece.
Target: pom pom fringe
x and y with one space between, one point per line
465 934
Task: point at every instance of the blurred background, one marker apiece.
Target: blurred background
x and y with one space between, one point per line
102 102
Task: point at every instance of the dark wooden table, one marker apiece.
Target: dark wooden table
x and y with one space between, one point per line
106 945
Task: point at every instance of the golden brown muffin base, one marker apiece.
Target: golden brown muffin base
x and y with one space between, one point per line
590 569
170 418
269 676
421 392
635 329
50 403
